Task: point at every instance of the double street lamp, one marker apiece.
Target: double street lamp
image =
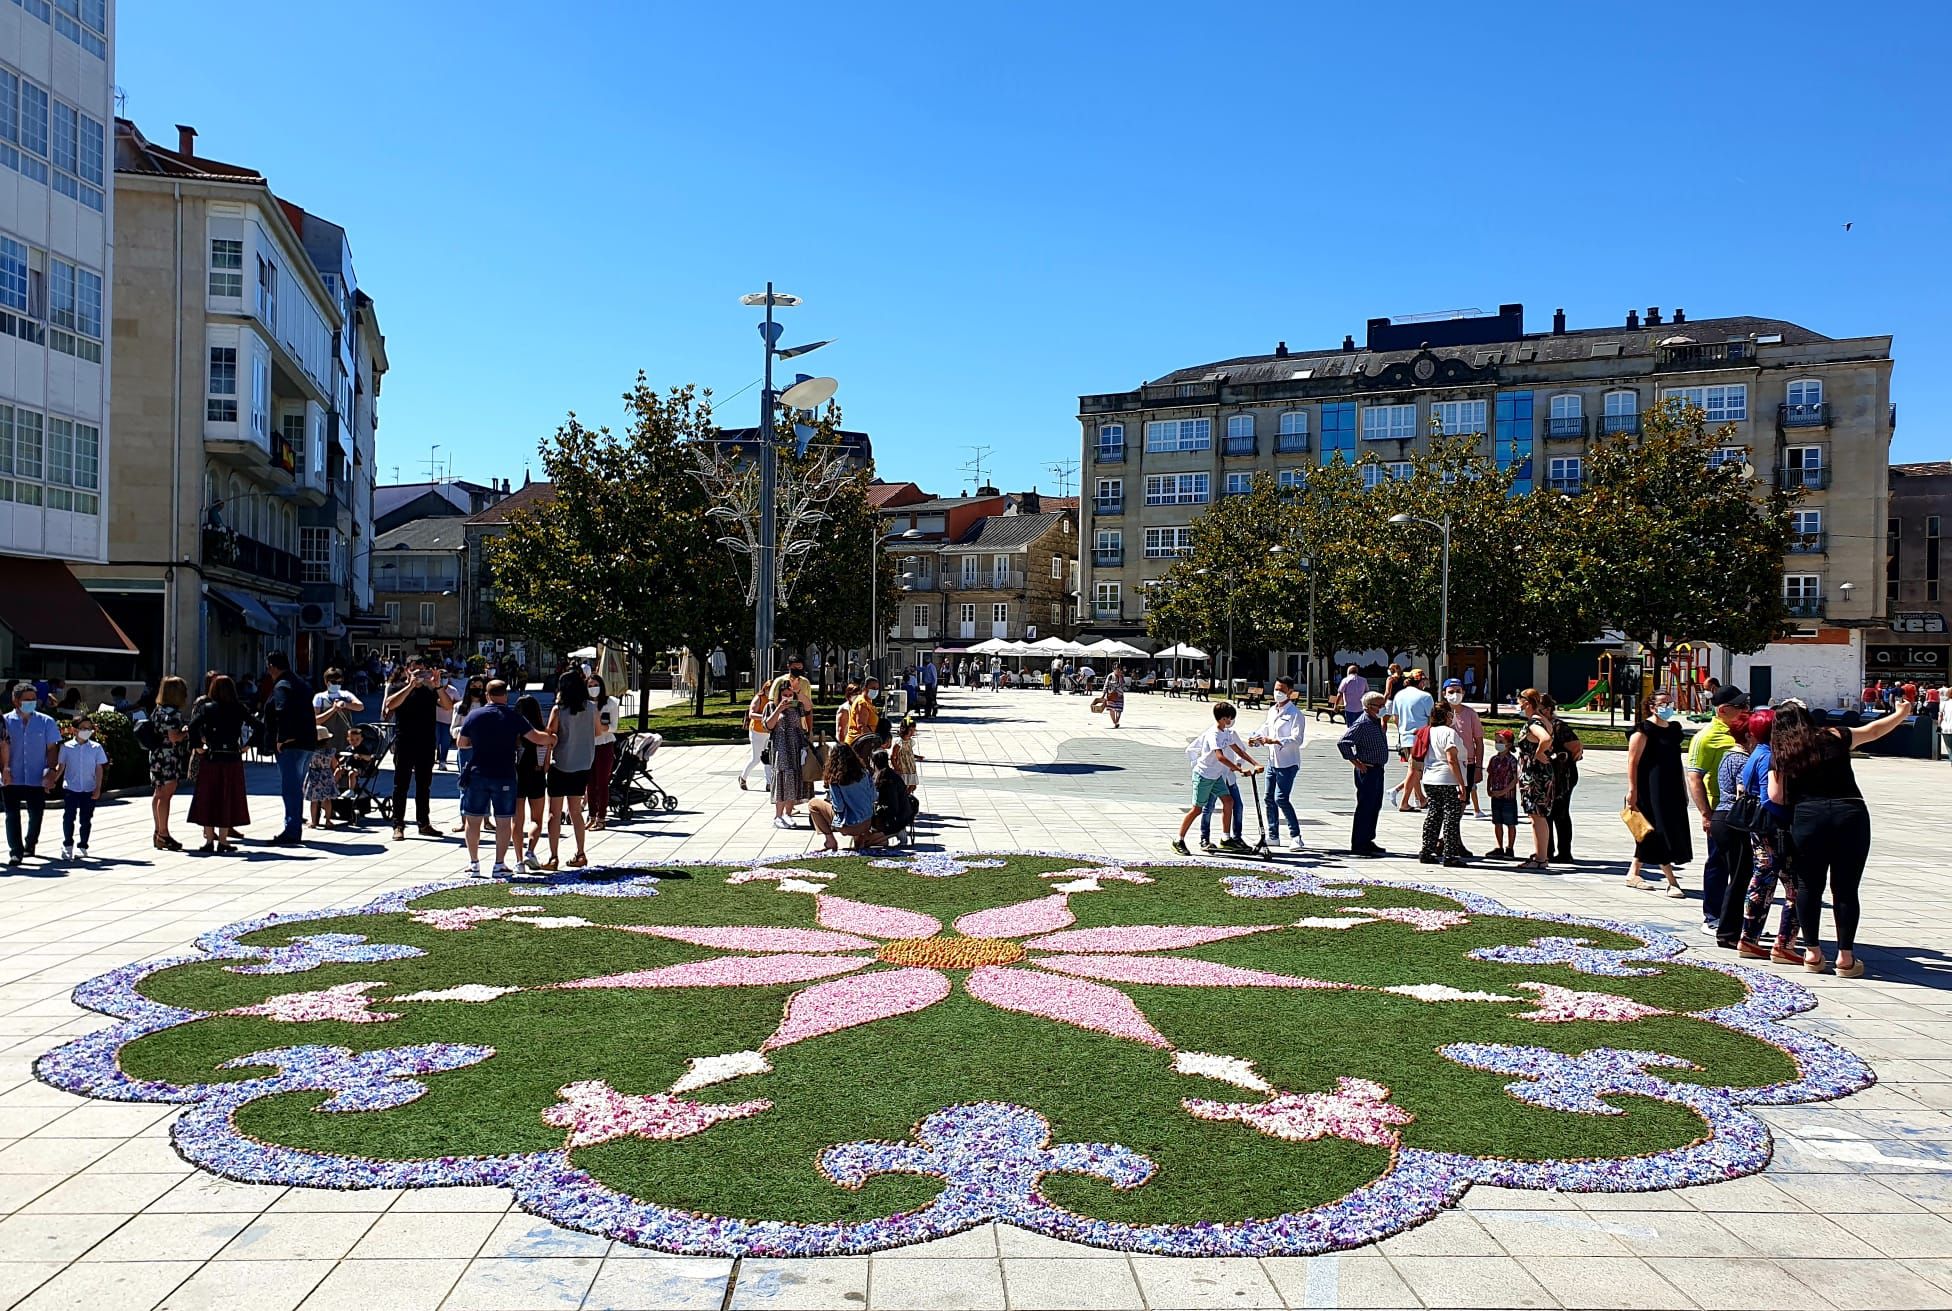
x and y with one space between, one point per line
1443 620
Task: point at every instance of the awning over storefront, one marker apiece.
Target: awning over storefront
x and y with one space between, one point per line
246 607
48 610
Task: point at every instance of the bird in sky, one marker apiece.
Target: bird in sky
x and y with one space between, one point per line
1846 227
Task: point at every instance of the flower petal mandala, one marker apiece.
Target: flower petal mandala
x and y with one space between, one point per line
1020 920
844 1003
1068 1001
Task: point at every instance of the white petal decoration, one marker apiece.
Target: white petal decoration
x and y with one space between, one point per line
465 992
1227 1069
800 885
1085 884
553 921
1444 992
708 1070
1331 921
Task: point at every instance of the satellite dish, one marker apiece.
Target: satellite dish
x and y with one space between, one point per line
809 395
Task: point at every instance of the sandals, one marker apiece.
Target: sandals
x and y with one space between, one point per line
1531 862
1854 970
578 861
1818 966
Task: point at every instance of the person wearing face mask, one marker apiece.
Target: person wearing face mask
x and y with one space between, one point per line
605 760
1657 787
82 765
333 709
864 713
1282 731
1470 744
28 758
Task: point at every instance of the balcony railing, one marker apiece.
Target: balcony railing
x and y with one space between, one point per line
988 581
1804 607
1572 427
1111 454
1816 479
1108 505
1241 446
1105 609
1703 354
221 546
1809 543
1616 424
1572 486
1108 559
1291 443
1815 415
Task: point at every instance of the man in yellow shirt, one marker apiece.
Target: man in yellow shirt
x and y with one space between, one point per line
1731 705
864 714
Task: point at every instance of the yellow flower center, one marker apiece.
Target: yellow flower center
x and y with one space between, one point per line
951 953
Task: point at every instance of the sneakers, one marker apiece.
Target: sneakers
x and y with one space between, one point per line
67 852
530 861
1236 846
81 852
1178 847
1426 859
1297 844
1709 929
474 869
1206 845
501 871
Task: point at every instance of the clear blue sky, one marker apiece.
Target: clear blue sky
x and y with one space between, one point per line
994 208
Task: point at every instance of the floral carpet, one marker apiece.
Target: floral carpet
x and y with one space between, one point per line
846 1054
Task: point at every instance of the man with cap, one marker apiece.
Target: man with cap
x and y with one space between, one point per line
1470 742
1731 706
1409 710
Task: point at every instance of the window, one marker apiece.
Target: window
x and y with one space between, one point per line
1931 557
970 565
1179 435
1458 418
261 400
1803 467
267 291
1000 571
1512 436
1105 599
1293 435
1111 441
1568 417
921 619
1372 476
1240 425
967 612
1239 484
221 407
1057 613
1000 613
315 552
1727 455
1805 392
1339 432
74 309
426 616
23 125
1164 543
1176 489
1725 404
1570 406
226 268
13 275
1382 423
1566 474
393 615
1802 593
78 147
1110 495
1622 402
1057 567
73 465
1292 480
1109 539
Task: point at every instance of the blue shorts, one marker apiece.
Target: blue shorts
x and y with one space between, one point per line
1504 810
483 793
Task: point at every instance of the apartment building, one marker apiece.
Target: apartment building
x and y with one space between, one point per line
1915 644
230 360
1807 409
490 632
57 242
418 573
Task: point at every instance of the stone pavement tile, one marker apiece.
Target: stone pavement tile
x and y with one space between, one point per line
1341 1280
104 1191
17 1190
665 1283
53 1237
1665 1199
834 1283
21 1121
1604 1283
1488 1197
430 1234
395 1285
1753 1193
519 1234
165 1237
1740 1284
1875 1285
1054 1284
1471 1281
19 1278
1799 1235
1450 1233
139 1156
948 1284
1012 1241
455 1199
979 1241
127 1286
204 1192
1939 1272
523 1284
1550 1233
1678 1234
1921 1235
1200 1282
258 1285
370 1200
103 1120
288 1237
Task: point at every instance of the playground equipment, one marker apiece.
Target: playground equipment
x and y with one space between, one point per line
1686 677
1599 688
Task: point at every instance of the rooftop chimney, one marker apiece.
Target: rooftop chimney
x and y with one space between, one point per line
1653 316
1680 315
1349 344
1558 322
186 139
1280 350
987 490
1030 502
1633 318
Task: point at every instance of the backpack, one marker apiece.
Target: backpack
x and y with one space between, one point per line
147 737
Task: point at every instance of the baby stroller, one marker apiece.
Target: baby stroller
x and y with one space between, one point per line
631 784
357 799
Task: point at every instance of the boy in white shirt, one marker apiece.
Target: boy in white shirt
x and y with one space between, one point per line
1211 765
81 765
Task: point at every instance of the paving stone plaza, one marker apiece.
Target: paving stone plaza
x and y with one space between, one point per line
97 1210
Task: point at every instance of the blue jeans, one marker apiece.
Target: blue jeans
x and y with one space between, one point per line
79 806
1714 881
292 764
1281 782
443 740
1206 816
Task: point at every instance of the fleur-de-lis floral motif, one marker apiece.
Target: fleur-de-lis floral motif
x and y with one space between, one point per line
1358 1110
312 950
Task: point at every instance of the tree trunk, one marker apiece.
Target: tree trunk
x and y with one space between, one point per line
698 688
643 658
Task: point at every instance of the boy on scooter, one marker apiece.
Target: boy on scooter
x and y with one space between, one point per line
1211 766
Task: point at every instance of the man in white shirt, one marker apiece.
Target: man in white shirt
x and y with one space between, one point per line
1409 710
1282 732
1215 754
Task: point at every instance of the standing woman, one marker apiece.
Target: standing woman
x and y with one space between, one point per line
1114 694
1394 683
573 724
789 713
1535 774
1658 789
531 780
217 736
1829 826
1566 752
1443 786
604 763
757 733
1768 852
171 758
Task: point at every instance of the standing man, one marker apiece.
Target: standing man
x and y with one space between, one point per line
1282 731
1705 754
1409 710
1470 742
493 732
931 681
1366 749
1350 692
716 663
996 673
413 709
290 724
28 754
1057 674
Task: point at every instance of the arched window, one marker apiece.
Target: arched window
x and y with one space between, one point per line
1806 391
1805 404
1621 413
1293 434
1568 417
1240 425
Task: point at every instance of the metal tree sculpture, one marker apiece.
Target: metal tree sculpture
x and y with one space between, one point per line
806 487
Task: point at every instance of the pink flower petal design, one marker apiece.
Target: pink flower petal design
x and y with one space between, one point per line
1563 1005
728 972
875 921
1358 1110
1142 937
741 937
1020 920
1181 971
1068 1001
844 1003
594 1112
347 1002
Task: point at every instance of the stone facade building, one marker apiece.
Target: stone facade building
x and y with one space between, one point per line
419 570
1807 409
1916 642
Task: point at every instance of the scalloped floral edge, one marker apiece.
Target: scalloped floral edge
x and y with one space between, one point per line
1416 1187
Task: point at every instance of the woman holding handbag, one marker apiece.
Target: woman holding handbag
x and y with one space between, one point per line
1657 791
789 717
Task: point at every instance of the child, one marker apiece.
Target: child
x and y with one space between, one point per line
321 784
1211 765
1501 782
904 756
894 808
81 765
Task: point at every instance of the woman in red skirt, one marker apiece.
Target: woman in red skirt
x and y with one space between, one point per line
217 740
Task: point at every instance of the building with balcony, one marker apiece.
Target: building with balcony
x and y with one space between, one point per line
1915 641
1010 574
418 595
1807 410
488 630
232 361
57 216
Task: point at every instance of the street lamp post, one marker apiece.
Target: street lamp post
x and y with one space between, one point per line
1443 613
1307 566
1230 632
874 595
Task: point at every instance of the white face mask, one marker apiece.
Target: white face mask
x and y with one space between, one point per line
333 688
27 706
1280 697
874 694
1454 697
83 734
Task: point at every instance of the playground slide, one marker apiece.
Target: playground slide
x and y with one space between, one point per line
1598 689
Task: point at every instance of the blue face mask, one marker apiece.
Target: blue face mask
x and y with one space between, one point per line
1666 712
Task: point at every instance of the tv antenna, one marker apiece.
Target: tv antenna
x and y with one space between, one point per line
1064 471
433 463
978 465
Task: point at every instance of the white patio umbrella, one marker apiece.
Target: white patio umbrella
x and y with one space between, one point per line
1181 651
1111 648
1050 646
989 646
